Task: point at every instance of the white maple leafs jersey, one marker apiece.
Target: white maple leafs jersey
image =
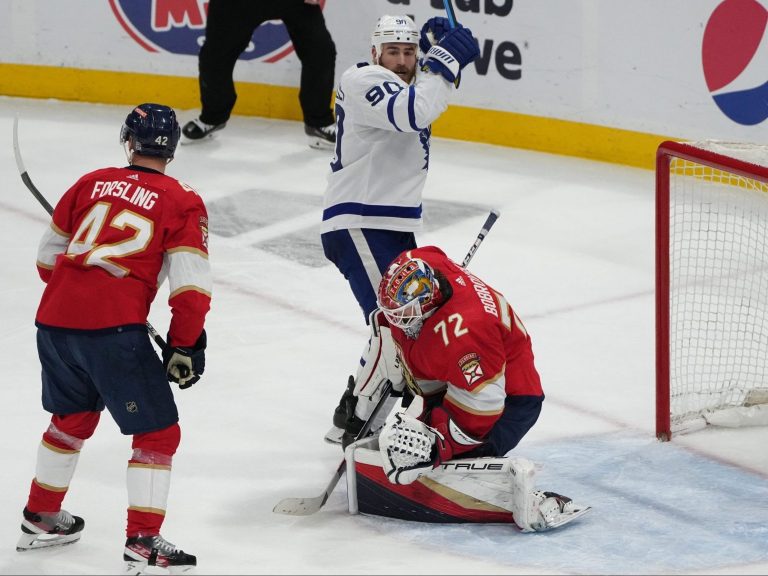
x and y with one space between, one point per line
382 148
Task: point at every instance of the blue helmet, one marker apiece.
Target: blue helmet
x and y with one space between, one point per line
154 130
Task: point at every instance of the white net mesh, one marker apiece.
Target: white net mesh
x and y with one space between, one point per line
752 153
718 250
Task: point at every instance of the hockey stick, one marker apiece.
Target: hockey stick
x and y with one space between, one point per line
23 171
449 11
40 198
489 222
308 506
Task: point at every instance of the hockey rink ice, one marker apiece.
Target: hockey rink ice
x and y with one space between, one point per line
573 252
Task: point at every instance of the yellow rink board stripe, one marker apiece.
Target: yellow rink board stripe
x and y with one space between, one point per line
460 122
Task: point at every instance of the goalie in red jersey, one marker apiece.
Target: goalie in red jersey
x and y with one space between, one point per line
453 344
114 237
465 351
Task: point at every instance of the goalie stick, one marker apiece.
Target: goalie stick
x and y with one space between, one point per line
40 198
308 506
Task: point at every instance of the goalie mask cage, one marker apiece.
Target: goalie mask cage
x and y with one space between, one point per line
711 283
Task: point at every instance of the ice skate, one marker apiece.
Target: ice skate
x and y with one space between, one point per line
554 510
141 552
48 529
535 510
196 129
321 137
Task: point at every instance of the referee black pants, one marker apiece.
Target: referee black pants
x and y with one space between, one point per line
228 31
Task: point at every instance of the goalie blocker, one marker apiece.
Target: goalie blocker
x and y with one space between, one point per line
473 490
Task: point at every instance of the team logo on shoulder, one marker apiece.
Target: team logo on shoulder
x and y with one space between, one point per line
470 367
204 230
186 187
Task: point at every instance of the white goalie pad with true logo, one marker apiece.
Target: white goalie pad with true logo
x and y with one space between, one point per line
481 490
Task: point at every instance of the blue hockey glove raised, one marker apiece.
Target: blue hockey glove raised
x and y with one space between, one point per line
433 31
185 365
452 53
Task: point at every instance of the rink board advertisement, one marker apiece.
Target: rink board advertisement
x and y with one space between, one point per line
596 78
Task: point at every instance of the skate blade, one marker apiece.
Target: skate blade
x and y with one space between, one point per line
564 519
142 567
184 141
320 144
38 541
135 567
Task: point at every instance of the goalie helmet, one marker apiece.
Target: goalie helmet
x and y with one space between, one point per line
152 130
394 29
409 293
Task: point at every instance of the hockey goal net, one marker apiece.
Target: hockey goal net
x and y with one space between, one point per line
711 286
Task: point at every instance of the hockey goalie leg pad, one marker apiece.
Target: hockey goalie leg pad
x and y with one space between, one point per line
366 405
378 364
534 510
525 507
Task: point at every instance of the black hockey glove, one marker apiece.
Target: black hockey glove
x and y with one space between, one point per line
344 415
185 365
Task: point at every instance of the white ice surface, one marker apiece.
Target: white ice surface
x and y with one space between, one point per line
573 253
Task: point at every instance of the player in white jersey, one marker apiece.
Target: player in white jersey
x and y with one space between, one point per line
384 110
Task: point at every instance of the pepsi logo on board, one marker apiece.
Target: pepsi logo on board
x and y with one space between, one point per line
735 60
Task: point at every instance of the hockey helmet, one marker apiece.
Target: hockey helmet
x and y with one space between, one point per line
409 293
394 29
153 129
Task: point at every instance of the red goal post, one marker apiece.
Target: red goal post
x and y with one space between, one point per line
711 286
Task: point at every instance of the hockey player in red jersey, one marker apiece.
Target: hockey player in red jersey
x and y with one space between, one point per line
465 356
115 236
463 349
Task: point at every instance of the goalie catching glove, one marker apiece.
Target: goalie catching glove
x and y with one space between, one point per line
411 448
185 365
